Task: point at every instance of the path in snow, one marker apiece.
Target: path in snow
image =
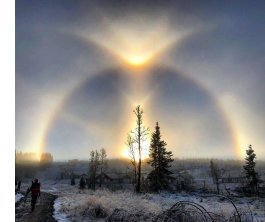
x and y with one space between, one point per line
43 210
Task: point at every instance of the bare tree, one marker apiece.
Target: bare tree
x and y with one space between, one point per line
132 151
216 174
93 167
102 163
140 133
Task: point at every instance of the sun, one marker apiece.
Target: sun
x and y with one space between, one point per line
144 156
144 153
137 60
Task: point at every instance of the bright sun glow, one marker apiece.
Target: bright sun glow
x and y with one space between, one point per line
134 42
145 150
137 60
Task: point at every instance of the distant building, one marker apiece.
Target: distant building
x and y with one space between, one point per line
73 161
182 180
233 180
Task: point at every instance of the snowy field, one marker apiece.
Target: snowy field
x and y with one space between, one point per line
73 204
18 197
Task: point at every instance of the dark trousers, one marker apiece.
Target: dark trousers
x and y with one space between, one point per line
33 202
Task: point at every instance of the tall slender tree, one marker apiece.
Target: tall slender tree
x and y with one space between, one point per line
249 168
140 133
102 164
216 174
160 159
93 167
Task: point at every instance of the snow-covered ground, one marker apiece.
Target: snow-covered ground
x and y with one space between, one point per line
18 196
73 204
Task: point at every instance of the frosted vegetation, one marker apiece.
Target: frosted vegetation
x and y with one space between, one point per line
101 205
195 202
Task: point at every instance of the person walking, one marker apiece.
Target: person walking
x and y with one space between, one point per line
35 193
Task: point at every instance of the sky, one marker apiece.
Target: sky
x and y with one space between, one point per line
196 67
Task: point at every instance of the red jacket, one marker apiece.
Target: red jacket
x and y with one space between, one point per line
35 189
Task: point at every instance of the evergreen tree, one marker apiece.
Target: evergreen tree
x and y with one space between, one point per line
72 181
249 168
82 183
160 159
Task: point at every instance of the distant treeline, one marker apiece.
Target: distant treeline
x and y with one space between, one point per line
27 164
31 157
224 163
116 164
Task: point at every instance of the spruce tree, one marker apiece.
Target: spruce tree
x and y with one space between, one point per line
82 183
249 168
160 159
